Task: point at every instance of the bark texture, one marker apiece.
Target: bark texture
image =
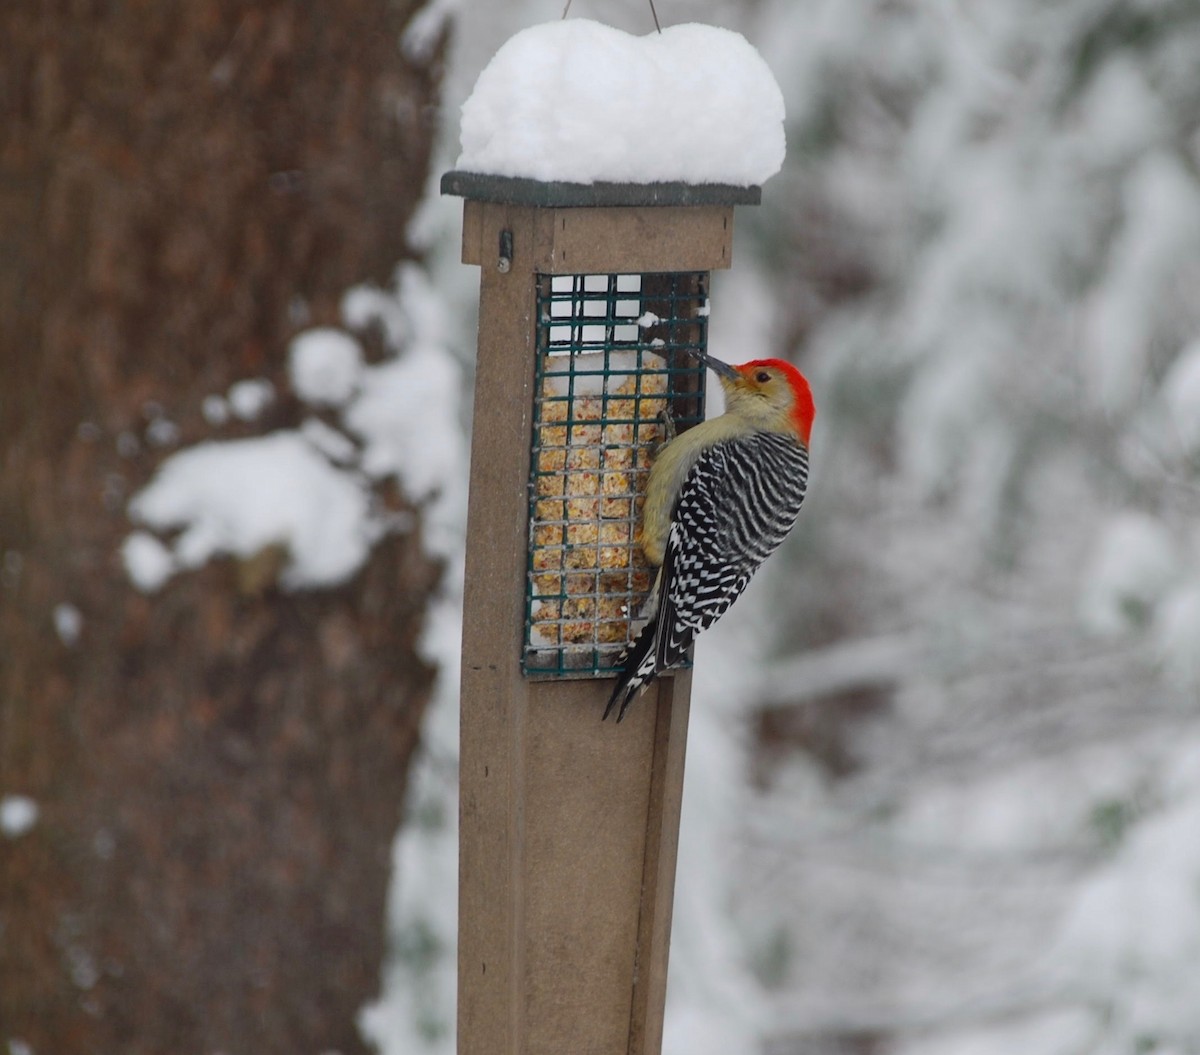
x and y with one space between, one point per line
219 766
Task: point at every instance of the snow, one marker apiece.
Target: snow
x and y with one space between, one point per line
162 432
68 623
1181 393
248 399
1135 925
18 815
426 28
415 1012
1176 634
215 409
400 420
366 306
310 491
1158 239
713 1004
1123 113
1134 563
1069 1030
325 366
148 563
582 102
411 313
238 497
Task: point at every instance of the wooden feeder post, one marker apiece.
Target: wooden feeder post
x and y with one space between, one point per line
569 827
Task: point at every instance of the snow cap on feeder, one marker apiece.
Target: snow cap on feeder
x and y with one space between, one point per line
580 102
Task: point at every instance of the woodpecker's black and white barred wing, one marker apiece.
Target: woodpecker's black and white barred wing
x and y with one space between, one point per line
735 508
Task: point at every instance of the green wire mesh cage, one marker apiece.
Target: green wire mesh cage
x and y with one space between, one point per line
613 364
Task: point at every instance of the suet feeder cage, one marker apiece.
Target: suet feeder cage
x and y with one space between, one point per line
592 298
612 365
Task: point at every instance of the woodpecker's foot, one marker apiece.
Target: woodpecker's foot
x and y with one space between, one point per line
668 427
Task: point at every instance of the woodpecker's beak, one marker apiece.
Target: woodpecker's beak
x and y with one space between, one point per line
716 366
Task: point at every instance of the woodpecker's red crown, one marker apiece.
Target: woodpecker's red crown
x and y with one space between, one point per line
785 386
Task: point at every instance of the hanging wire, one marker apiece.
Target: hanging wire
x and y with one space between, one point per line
652 12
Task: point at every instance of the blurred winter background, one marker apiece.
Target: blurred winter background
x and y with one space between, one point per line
954 806
944 791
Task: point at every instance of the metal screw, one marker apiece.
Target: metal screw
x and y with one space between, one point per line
504 263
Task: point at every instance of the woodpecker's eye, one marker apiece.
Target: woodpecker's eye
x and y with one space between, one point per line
762 377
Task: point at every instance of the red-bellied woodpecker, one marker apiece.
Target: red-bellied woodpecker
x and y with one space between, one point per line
720 499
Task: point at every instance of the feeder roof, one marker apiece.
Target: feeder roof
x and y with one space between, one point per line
577 102
512 190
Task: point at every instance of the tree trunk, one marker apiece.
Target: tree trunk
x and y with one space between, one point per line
219 766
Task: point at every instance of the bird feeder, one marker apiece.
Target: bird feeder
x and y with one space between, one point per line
592 296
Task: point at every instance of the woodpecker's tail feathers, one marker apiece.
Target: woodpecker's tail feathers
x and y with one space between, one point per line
638 669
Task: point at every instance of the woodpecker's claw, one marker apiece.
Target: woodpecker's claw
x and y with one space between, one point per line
668 426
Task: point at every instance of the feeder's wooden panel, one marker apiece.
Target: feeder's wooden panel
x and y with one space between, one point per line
569 827
607 240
